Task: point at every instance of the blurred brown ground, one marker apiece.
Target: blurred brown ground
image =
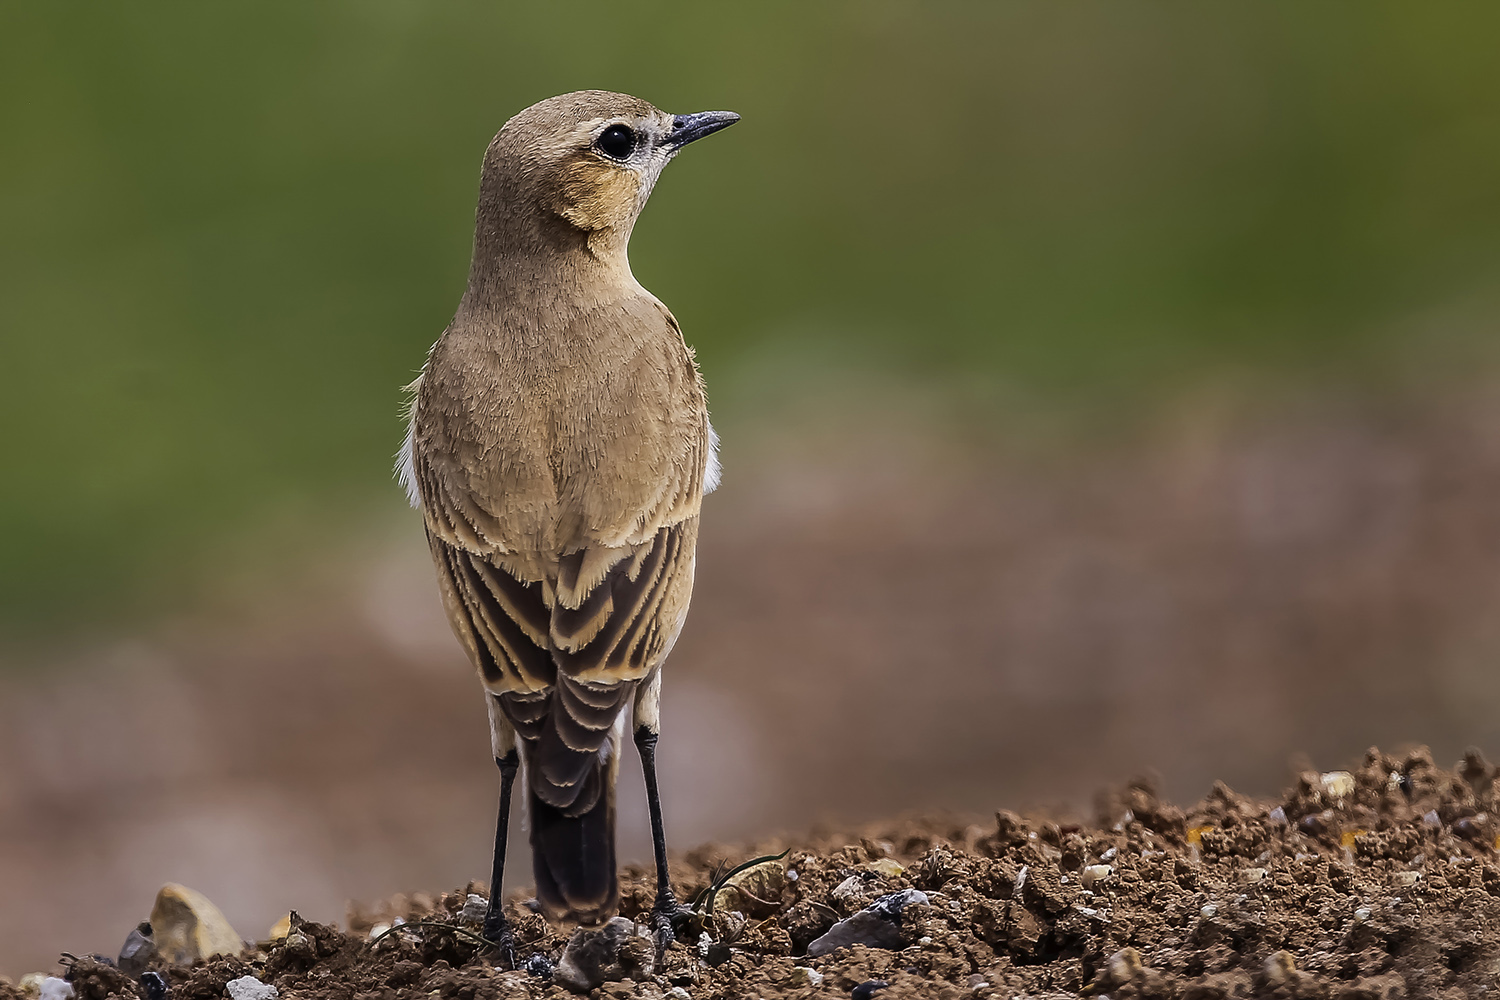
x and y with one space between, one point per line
887 619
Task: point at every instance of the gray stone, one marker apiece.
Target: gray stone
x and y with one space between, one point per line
249 988
610 952
137 952
475 907
876 926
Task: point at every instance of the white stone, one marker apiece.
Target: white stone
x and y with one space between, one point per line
53 988
803 975
249 988
849 887
1337 785
1094 874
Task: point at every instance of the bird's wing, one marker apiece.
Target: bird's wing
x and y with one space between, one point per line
565 656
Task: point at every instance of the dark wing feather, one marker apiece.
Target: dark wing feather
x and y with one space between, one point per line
565 660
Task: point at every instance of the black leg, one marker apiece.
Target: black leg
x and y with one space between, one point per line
666 910
496 927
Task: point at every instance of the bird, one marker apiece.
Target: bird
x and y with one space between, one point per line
559 448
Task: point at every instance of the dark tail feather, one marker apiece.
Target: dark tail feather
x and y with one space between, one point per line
574 856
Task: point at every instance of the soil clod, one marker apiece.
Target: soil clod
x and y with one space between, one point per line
1393 890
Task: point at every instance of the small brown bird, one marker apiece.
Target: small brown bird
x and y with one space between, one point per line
559 449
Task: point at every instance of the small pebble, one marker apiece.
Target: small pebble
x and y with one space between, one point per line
153 985
791 875
1094 874
731 924
678 993
1208 910
1405 879
188 927
977 981
1109 855
1252 875
890 906
851 886
1430 819
249 988
1279 967
886 867
53 988
1123 965
1362 914
867 989
138 950
1277 816
876 926
1471 828
475 907
540 966
803 975
1337 785
595 955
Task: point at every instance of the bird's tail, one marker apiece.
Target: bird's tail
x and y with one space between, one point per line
573 850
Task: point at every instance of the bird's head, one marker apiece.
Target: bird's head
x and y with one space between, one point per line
584 162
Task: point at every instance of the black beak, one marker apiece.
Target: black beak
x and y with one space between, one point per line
688 128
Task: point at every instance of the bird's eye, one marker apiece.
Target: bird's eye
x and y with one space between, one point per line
617 142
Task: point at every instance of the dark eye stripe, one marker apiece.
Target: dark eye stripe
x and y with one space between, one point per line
617 142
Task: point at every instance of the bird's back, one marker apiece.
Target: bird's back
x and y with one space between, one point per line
538 443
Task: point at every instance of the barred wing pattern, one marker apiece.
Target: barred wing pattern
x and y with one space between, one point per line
564 653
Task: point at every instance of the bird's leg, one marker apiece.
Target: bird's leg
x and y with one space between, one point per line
496 927
666 913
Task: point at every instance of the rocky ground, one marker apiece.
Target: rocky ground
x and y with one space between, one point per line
887 620
1383 882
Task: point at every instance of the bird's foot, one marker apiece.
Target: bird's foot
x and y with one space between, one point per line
496 930
668 918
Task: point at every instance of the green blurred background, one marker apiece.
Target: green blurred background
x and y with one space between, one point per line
229 231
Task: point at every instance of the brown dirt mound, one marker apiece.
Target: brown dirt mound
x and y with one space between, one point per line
1382 883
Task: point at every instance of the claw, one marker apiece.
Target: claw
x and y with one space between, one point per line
497 929
668 919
